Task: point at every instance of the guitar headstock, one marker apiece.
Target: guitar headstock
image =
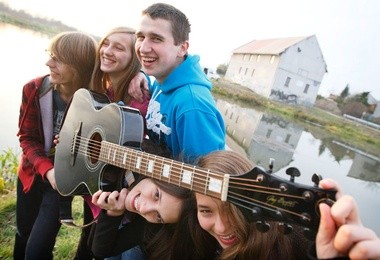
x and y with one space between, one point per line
262 197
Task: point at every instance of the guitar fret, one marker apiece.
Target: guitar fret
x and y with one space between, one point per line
192 179
133 159
207 178
145 163
161 168
180 174
154 169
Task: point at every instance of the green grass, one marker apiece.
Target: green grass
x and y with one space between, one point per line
67 240
7 224
68 237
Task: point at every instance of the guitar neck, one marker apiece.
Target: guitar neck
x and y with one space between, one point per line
160 168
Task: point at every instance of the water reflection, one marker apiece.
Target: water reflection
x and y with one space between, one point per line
263 136
365 166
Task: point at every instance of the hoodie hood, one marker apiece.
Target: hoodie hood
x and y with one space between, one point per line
189 72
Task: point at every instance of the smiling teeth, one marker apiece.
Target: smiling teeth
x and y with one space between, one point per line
149 59
136 202
227 237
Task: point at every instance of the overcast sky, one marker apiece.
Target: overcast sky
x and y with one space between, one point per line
348 31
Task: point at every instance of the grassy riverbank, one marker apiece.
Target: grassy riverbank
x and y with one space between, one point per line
355 134
24 20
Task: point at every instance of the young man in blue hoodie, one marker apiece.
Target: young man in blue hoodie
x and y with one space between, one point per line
182 114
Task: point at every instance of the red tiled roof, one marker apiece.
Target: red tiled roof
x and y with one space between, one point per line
269 46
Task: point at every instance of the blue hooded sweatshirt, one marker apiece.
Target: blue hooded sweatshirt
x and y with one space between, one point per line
183 115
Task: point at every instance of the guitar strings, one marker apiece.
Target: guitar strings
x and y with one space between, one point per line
93 150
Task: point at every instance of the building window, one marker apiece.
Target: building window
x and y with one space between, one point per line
258 58
269 133
253 72
287 138
272 59
232 115
287 82
246 70
246 57
237 119
306 88
252 58
240 70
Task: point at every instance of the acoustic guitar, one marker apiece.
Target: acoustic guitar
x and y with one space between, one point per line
101 141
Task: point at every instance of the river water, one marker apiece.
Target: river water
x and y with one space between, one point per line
259 136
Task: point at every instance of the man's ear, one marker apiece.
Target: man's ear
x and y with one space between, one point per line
183 49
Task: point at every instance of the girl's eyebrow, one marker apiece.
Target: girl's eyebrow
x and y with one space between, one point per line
202 206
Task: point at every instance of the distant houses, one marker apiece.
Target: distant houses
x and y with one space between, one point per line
286 69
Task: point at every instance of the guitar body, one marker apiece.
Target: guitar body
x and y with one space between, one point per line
89 120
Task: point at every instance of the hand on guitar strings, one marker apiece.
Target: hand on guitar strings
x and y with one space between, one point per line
113 202
341 232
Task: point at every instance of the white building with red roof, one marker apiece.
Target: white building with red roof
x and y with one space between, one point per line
286 69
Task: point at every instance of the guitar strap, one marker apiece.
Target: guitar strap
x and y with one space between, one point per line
65 213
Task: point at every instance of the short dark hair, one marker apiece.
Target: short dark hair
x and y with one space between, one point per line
179 22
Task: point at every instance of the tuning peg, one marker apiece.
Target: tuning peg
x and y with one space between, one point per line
293 172
286 228
316 178
262 226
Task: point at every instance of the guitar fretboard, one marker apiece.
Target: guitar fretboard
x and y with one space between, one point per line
167 170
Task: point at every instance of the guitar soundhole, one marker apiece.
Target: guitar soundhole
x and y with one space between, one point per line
94 148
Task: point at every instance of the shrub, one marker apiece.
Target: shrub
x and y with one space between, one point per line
9 160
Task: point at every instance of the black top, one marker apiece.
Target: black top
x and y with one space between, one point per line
112 237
